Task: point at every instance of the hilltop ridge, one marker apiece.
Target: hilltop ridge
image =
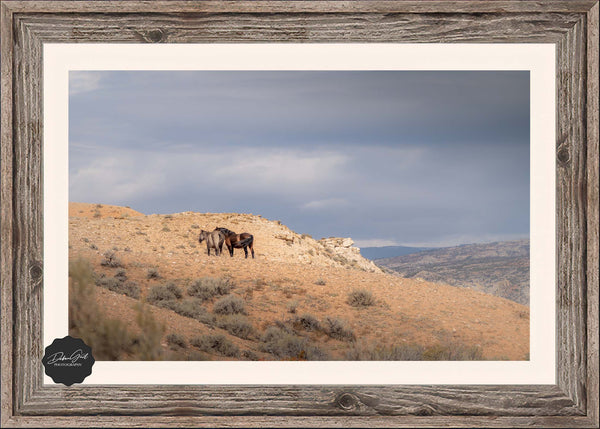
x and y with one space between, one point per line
297 286
273 240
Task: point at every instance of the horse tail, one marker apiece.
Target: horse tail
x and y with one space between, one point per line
246 241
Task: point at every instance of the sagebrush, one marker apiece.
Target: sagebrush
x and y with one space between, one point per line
237 325
287 346
230 304
160 293
360 298
218 343
176 340
207 288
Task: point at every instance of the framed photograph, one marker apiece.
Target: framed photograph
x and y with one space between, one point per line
309 213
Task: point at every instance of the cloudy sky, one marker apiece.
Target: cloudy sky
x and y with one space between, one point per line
387 158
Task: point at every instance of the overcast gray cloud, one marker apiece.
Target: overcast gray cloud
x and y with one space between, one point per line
428 158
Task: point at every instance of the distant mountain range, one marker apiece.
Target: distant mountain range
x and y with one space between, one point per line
389 251
500 268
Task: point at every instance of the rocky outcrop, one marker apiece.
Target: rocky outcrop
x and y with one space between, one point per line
343 249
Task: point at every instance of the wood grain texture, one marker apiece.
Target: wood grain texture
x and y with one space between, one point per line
593 213
571 221
302 27
303 422
571 25
305 400
212 6
6 209
27 223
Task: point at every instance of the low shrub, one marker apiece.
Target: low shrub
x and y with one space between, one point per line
160 293
152 273
196 355
249 355
285 345
109 283
176 340
237 325
191 308
111 260
216 344
207 288
338 329
289 291
230 304
307 322
401 352
121 274
320 282
446 350
360 298
129 288
292 306
452 351
174 289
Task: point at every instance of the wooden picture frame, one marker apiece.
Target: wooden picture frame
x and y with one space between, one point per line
571 25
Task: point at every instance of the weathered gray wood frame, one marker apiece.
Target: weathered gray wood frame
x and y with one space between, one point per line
571 25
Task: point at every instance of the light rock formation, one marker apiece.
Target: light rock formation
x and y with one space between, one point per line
344 248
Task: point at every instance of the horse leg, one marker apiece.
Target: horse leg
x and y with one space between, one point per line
208 247
252 249
246 251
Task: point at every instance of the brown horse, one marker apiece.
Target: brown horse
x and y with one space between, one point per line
213 239
237 241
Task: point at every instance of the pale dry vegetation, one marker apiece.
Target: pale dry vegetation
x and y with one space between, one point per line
109 338
207 288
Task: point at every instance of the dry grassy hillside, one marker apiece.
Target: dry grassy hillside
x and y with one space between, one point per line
299 299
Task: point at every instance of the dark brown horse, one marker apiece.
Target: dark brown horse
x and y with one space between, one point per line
237 241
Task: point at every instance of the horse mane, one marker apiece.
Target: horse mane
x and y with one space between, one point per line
225 231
